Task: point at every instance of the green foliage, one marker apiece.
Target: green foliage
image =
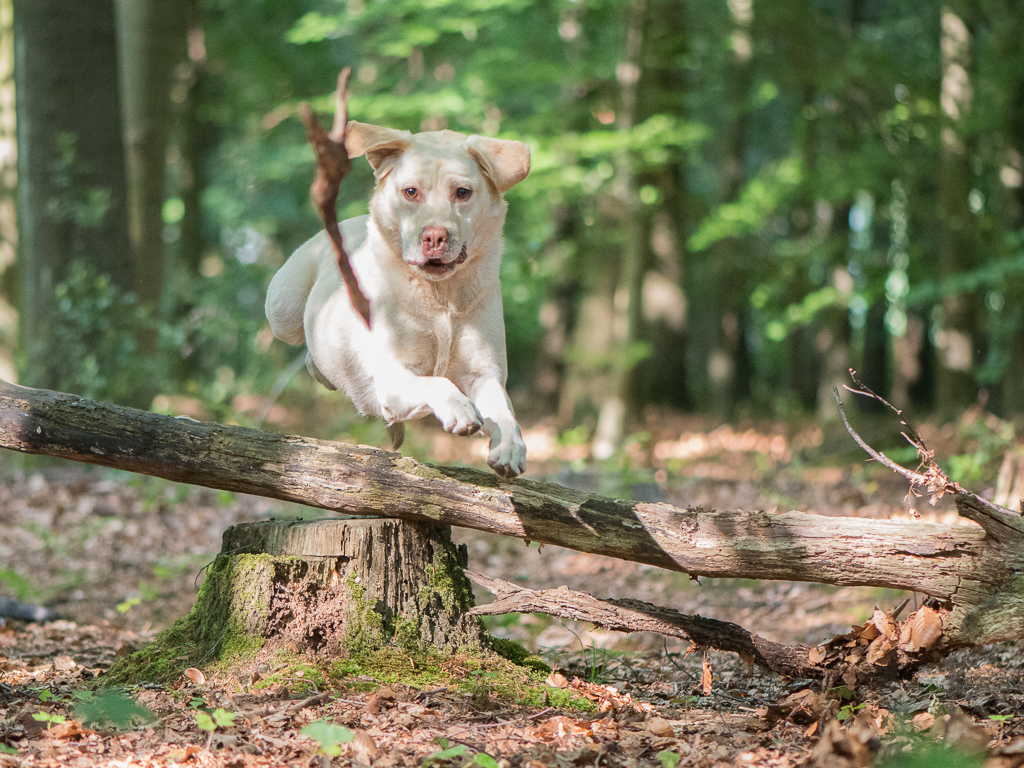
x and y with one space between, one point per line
111 706
211 721
984 441
128 604
98 325
931 755
22 586
328 736
75 202
669 759
50 718
795 207
447 753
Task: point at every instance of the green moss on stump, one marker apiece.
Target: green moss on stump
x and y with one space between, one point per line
225 625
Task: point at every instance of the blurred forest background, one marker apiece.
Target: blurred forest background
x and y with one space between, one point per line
731 202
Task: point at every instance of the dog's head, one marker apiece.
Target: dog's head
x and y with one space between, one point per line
439 194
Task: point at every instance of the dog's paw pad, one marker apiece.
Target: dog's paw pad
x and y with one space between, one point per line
508 460
460 417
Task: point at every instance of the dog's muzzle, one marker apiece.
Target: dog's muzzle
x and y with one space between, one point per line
439 257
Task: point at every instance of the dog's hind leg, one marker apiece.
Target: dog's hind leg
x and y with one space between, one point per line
396 433
289 289
315 372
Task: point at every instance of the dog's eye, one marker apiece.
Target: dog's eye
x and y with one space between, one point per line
462 193
410 193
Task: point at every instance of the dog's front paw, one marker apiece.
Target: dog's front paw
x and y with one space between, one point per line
459 416
508 458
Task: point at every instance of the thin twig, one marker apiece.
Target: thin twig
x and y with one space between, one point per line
933 479
915 477
506 722
312 701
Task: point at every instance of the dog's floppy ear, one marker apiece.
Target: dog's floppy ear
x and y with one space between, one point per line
378 144
505 163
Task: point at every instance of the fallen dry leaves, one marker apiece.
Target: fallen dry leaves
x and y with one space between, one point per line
395 725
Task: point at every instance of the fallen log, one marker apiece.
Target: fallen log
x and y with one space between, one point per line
975 574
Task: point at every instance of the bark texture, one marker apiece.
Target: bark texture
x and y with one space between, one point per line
364 582
974 573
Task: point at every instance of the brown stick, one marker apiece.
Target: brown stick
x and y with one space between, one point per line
638 616
333 165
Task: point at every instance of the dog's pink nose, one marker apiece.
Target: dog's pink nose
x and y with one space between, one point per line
435 241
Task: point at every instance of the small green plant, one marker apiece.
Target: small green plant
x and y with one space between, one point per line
328 736
110 707
484 761
49 718
6 750
210 722
669 759
128 604
446 753
1001 720
46 695
597 663
848 711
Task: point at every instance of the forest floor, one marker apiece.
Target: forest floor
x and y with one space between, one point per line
121 556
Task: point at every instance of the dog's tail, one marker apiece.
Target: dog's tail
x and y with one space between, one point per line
396 432
288 291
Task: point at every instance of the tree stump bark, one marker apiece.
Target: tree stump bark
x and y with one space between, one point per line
334 587
322 589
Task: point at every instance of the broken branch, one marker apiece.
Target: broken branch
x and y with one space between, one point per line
638 616
333 165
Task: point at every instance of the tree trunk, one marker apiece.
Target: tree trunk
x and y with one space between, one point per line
71 172
955 340
150 34
619 404
327 589
8 196
975 574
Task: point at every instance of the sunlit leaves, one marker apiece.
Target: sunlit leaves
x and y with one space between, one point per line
749 214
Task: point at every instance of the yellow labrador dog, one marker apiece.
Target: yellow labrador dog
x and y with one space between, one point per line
427 258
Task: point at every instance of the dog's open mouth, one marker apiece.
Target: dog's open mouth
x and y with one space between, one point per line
437 268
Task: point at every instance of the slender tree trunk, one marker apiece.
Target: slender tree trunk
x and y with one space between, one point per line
8 195
71 173
1011 173
150 35
619 404
195 138
955 340
716 298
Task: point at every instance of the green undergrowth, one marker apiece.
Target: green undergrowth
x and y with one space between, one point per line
508 671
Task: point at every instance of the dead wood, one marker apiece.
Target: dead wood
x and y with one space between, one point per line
974 573
333 165
638 616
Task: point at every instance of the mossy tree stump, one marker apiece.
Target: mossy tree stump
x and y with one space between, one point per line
326 589
358 584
